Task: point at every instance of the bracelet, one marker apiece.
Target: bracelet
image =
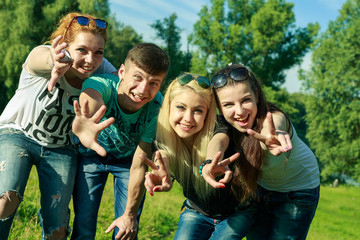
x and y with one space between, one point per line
203 164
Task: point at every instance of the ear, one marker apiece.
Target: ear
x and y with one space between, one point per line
122 71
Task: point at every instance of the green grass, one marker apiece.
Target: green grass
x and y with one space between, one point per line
337 216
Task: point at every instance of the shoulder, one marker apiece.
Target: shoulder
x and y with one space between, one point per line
157 101
281 122
104 78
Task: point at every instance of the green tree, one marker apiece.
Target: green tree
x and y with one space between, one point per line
261 34
333 107
121 39
169 33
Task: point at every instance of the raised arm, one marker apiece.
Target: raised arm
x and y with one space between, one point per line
43 59
127 223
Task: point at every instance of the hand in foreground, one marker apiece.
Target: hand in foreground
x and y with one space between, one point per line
87 129
59 67
212 170
127 226
159 179
275 140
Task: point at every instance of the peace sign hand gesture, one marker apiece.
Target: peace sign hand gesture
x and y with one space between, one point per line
276 141
212 170
159 179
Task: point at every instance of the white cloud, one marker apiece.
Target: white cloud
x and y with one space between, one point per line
334 5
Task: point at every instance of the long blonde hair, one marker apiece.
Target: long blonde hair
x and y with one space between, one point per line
183 163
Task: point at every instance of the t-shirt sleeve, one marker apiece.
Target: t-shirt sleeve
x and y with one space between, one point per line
222 126
100 84
105 67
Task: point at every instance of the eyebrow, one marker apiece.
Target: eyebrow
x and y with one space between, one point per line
198 106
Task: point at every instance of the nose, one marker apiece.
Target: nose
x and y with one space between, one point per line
188 116
143 87
239 110
90 58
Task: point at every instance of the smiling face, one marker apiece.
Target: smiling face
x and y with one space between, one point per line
137 87
187 113
87 51
238 104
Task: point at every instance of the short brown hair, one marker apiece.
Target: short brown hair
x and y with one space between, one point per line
149 57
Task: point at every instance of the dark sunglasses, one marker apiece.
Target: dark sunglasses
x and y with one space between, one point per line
185 78
237 74
84 21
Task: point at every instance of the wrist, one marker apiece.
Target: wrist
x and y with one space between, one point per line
207 161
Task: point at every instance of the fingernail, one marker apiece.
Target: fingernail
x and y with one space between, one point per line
151 194
222 186
156 189
290 148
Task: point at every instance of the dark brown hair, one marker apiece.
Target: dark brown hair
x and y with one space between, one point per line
149 57
246 170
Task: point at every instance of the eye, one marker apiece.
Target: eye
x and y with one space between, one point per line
138 77
99 52
227 105
199 111
154 84
82 50
180 107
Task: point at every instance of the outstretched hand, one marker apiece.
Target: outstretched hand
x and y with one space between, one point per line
212 170
159 179
87 128
59 65
276 141
127 226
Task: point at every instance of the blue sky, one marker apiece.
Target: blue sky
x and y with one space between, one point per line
141 13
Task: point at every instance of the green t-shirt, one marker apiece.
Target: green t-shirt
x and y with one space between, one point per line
124 135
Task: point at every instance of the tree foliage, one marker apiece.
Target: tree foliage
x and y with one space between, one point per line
167 31
261 34
334 104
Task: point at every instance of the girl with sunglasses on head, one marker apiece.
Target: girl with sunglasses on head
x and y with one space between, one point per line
35 127
185 126
286 169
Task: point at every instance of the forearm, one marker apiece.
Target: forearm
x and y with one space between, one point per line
136 190
94 99
219 142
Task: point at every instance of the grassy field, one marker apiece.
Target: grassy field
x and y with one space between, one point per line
337 216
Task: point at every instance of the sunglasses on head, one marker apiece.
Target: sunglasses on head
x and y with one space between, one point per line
237 74
84 21
185 78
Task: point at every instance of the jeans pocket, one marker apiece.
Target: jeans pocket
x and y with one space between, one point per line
306 199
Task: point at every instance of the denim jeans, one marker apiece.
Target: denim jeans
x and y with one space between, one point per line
89 186
284 215
56 168
197 226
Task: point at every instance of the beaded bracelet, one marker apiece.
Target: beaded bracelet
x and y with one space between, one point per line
203 164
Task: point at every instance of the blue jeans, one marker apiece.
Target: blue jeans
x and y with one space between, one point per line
197 226
89 186
284 215
56 169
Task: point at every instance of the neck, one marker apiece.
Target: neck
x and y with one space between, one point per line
73 80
